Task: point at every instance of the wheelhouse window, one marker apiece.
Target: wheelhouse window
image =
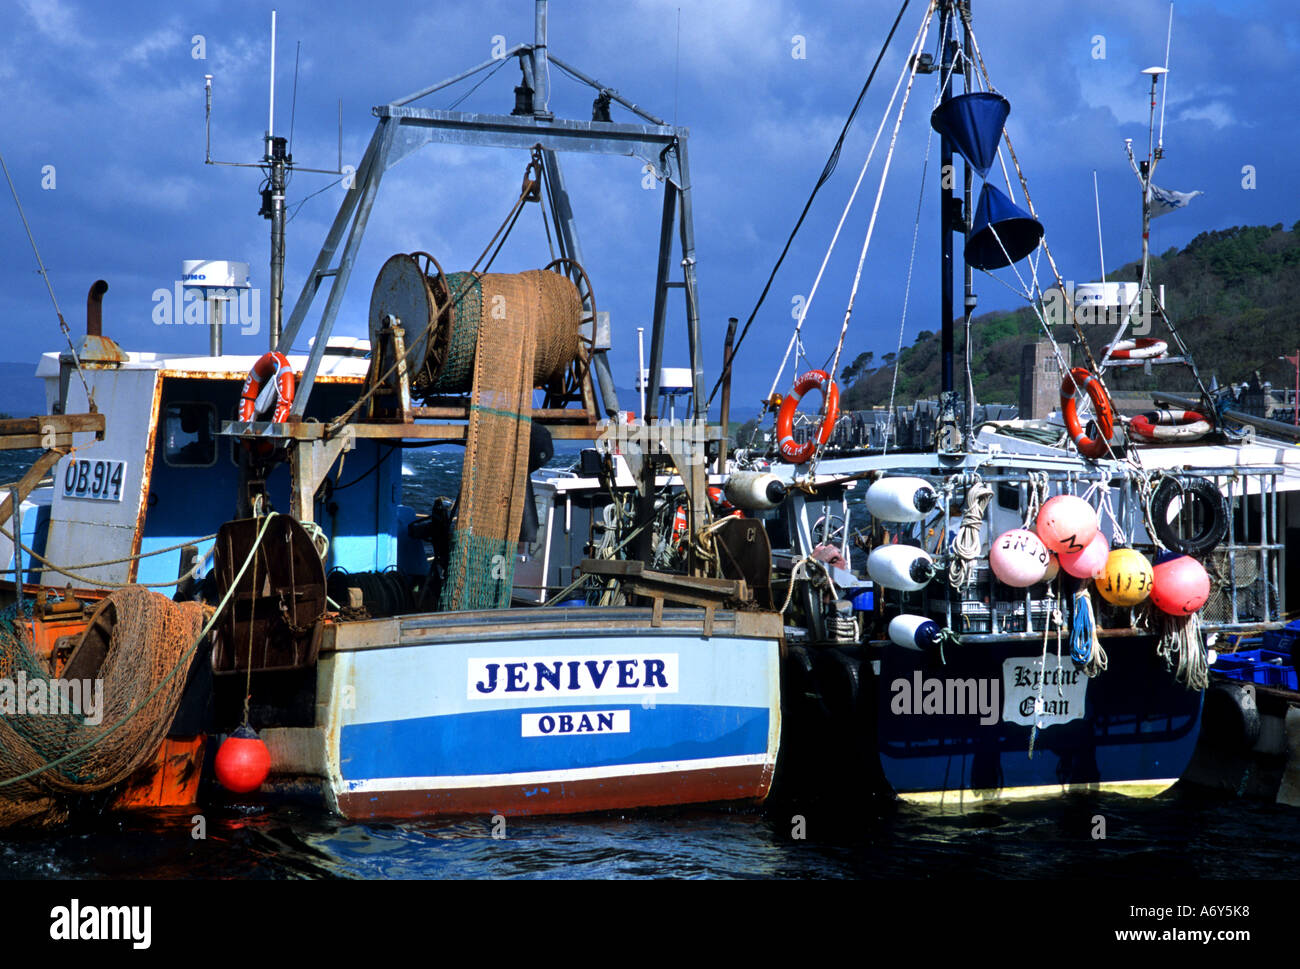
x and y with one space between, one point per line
190 435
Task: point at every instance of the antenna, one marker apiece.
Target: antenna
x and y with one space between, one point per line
207 118
1169 37
1101 252
293 105
277 163
270 121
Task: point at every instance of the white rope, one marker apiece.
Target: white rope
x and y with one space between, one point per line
871 224
1182 647
907 289
1037 496
1027 295
966 546
1054 618
803 313
797 571
911 263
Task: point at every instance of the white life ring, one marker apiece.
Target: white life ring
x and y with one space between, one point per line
1156 426
1143 348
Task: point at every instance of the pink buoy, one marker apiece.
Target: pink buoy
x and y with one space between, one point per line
1019 558
1179 586
1090 562
1066 523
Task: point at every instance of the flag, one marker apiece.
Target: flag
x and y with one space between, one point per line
1164 201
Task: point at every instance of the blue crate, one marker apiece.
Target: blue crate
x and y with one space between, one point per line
1266 667
1283 640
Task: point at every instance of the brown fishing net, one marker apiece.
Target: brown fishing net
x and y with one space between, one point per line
133 649
527 334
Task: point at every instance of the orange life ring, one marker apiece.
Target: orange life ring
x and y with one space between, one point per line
270 379
1088 447
794 453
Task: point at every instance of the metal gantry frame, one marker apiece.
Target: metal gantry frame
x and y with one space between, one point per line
401 130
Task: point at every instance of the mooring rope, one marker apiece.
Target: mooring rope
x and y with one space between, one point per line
95 565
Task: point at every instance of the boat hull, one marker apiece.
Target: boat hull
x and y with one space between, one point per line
528 711
1132 729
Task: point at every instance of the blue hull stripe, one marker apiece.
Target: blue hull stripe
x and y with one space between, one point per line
490 742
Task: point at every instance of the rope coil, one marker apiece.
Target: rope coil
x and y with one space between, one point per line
966 546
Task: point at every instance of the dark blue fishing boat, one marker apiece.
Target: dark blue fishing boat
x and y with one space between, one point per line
950 640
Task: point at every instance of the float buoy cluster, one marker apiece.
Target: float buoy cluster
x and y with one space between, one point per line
1064 535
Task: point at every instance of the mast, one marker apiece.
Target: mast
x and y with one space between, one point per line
945 205
1146 171
273 204
968 274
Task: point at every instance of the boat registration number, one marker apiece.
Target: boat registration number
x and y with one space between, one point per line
98 480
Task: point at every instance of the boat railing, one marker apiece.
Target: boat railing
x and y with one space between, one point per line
1245 594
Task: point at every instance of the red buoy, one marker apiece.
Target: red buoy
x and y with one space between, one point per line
1179 586
243 761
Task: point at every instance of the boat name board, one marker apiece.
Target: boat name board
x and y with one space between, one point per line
1045 695
574 722
571 676
97 480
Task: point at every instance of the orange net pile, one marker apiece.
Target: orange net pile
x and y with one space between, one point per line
104 733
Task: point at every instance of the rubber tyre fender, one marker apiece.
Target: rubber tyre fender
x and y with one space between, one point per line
1231 717
1208 537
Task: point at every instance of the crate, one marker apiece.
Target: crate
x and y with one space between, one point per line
1266 667
1283 640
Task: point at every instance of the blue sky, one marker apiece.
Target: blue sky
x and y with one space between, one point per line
111 96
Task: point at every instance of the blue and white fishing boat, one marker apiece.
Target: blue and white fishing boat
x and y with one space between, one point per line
549 642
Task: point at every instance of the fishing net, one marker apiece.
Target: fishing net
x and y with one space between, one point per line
528 334
462 333
142 638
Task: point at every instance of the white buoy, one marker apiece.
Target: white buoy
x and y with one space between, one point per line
755 490
903 567
901 499
913 632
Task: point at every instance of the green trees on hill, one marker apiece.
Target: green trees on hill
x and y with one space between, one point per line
1232 294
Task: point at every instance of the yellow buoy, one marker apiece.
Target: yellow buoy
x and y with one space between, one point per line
1127 578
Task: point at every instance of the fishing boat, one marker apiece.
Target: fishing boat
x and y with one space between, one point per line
548 641
995 615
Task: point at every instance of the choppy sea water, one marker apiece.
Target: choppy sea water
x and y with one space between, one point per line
1186 833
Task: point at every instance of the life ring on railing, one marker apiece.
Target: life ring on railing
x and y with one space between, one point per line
270 379
1170 425
791 452
1212 530
1143 348
1087 446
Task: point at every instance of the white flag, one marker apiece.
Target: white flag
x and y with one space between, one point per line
1164 201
